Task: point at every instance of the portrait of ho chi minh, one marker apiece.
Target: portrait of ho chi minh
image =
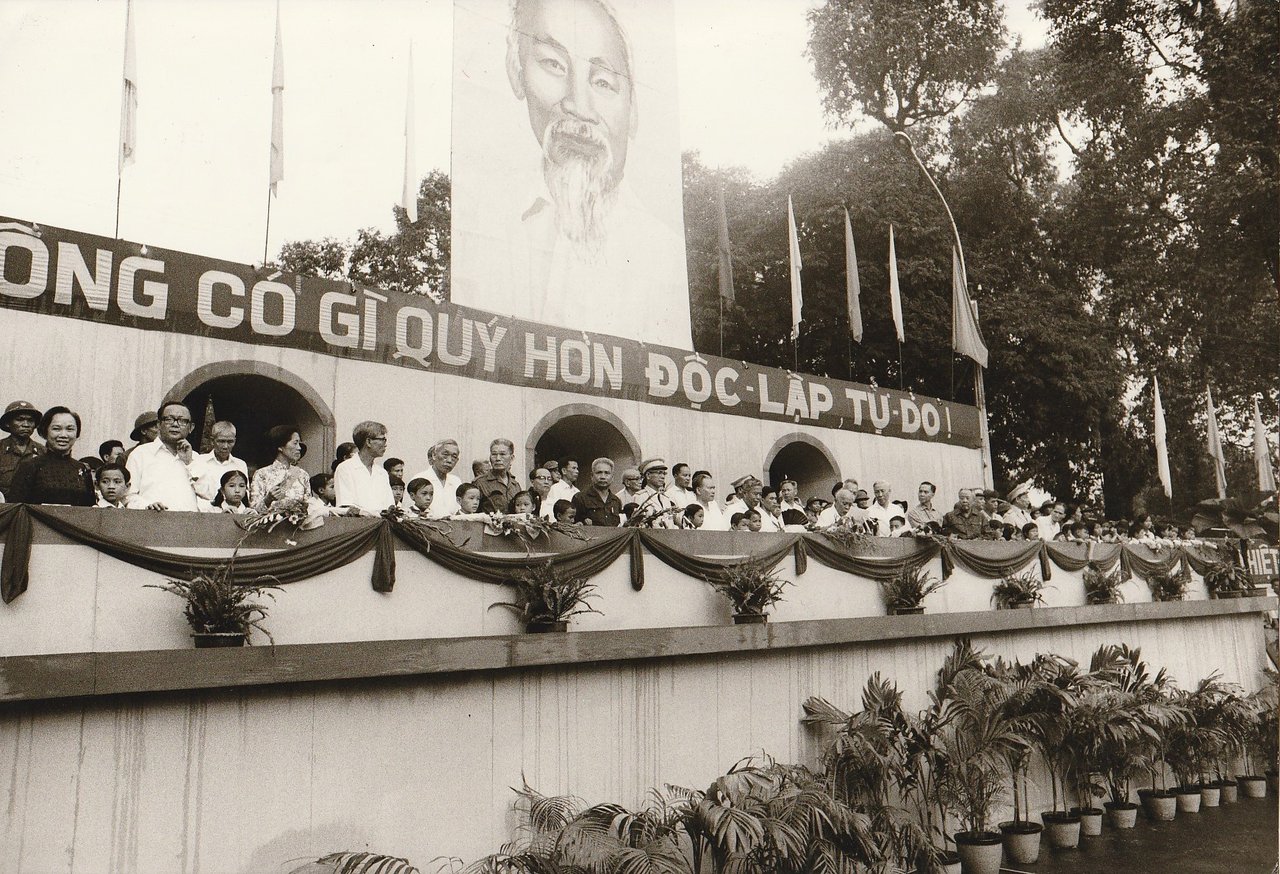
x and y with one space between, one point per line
584 233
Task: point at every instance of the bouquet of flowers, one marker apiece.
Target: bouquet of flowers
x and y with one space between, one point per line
291 510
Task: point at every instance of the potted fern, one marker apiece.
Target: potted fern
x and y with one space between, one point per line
1225 579
544 602
220 611
1018 590
751 587
1168 586
1101 587
904 593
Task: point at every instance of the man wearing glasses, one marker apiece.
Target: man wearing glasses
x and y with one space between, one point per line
358 481
158 470
443 458
632 485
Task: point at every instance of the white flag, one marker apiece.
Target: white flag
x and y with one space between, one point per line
1215 446
409 189
129 95
895 299
1162 447
852 287
797 298
1262 452
277 109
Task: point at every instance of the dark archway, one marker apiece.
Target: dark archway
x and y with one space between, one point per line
806 460
583 432
255 402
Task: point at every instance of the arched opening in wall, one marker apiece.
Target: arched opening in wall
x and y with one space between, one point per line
254 403
583 432
805 460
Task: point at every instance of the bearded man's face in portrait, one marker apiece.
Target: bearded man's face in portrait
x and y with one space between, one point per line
568 60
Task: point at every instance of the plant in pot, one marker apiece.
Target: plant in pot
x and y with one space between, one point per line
220 611
1018 590
1168 586
905 593
544 602
1194 745
1101 587
1234 715
752 587
1226 579
1262 743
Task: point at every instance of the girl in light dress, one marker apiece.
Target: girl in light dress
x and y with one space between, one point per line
232 489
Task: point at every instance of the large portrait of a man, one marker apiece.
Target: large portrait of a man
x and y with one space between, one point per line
566 166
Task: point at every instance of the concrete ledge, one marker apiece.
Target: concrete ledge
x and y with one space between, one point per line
74 675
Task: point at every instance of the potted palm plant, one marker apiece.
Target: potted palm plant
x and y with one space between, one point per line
1101 587
546 603
1168 586
751 587
220 611
1018 590
905 593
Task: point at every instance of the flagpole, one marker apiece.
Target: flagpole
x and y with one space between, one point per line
119 185
901 379
266 238
720 297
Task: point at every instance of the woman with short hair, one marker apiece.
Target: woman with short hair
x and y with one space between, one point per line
282 479
55 477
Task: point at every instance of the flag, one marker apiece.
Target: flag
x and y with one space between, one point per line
797 298
409 189
1215 446
966 338
1262 452
1162 447
726 255
129 95
277 109
895 300
852 289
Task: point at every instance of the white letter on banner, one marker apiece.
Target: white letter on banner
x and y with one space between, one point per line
532 355
581 374
39 274
726 379
700 392
209 280
426 329
96 286
489 342
859 397
932 421
663 375
349 322
880 411
820 400
796 401
370 342
157 293
910 416
463 358
607 366
257 309
766 405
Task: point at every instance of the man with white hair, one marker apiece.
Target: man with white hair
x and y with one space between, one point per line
442 458
881 512
207 468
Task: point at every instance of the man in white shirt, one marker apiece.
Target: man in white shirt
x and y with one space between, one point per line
882 511
681 490
1019 515
714 517
564 490
158 473
1050 520
632 486
208 469
654 507
360 481
770 511
443 458
836 513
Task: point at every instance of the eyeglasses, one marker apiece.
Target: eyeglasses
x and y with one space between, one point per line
174 420
382 438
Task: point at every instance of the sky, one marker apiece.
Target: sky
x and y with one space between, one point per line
199 183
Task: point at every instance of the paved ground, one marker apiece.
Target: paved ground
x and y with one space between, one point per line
1240 838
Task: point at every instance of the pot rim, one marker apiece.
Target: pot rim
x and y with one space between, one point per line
978 839
1025 827
1120 805
1087 811
1059 817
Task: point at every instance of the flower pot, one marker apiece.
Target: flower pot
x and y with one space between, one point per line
1121 815
980 852
547 627
950 862
1162 806
1256 592
750 618
1252 786
1090 820
1210 794
1230 791
1188 799
206 640
1062 829
907 611
1021 842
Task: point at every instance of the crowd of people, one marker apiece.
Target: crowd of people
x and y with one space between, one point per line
161 471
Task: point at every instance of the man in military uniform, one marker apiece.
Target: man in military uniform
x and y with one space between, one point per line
19 420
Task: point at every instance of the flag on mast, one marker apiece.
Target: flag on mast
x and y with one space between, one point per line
722 248
797 298
277 109
852 288
129 95
1262 452
895 299
966 337
409 188
1162 447
1215 446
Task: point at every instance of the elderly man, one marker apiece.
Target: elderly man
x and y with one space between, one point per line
208 468
598 505
924 512
632 485
361 481
714 518
654 508
442 458
19 420
681 488
965 521
1019 515
498 486
838 512
159 476
881 511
